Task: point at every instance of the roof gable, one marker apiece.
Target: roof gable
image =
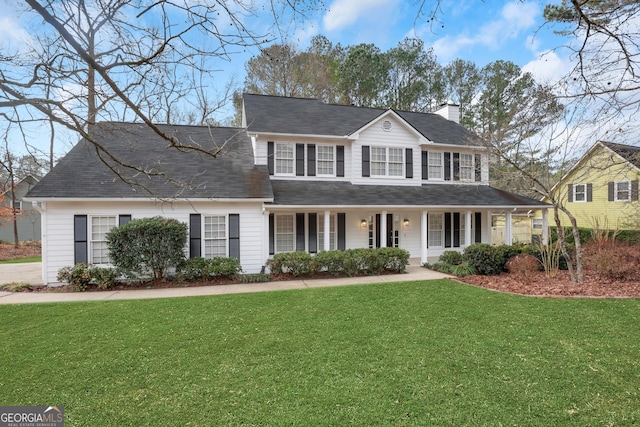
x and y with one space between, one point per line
626 153
171 173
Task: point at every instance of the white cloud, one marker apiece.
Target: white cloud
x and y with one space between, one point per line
515 18
343 13
549 67
12 34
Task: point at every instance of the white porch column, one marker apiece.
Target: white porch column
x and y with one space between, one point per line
383 229
508 236
487 235
467 228
265 236
423 238
327 230
545 226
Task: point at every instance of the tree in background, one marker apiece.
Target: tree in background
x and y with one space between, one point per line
415 77
124 60
362 76
462 81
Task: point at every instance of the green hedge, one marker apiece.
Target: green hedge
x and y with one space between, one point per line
203 268
350 262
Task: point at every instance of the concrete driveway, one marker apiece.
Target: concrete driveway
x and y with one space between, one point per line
28 272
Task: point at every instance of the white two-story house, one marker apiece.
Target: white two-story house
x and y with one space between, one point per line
300 175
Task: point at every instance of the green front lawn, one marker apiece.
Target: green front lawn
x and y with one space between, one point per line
21 260
420 353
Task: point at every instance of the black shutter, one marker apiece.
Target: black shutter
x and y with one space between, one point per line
634 190
340 160
80 248
589 192
478 225
611 191
270 157
299 159
570 193
195 236
123 219
272 230
447 166
456 229
425 163
409 162
313 233
341 232
311 159
366 171
447 229
478 160
456 166
377 230
234 236
299 232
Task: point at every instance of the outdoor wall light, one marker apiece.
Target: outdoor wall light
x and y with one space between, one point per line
406 222
363 223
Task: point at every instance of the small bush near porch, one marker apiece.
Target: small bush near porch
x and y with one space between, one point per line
420 353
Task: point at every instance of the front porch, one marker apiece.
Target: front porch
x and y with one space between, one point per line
425 234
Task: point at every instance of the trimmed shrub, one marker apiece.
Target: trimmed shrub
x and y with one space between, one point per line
393 259
77 276
199 268
294 263
330 262
104 277
485 259
451 258
147 246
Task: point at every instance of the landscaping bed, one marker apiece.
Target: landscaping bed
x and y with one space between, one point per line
9 252
560 285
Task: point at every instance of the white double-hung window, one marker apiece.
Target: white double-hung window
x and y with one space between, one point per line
215 236
623 191
467 172
284 158
435 165
387 161
100 226
285 233
325 160
580 192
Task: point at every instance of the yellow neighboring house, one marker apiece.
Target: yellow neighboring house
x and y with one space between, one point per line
601 190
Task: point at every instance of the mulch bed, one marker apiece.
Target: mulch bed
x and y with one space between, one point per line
537 283
8 252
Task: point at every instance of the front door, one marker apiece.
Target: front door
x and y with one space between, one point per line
392 231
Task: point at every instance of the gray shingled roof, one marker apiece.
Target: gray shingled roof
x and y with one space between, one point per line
306 193
182 174
303 116
629 152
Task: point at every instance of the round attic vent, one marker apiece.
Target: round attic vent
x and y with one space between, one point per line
386 125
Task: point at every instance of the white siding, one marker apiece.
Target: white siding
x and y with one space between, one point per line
58 238
398 137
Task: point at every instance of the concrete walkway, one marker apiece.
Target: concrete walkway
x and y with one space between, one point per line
30 273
